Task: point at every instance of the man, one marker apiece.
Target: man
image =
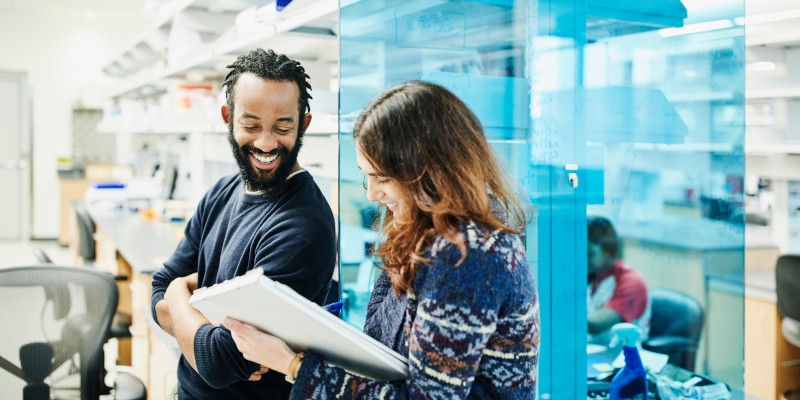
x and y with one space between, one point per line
616 293
270 216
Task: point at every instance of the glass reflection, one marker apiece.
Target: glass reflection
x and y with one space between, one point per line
664 159
627 111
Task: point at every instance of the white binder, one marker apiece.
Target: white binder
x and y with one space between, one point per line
278 310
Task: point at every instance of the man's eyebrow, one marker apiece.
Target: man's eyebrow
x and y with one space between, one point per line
286 119
250 116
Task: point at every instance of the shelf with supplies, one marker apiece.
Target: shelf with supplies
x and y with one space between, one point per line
196 39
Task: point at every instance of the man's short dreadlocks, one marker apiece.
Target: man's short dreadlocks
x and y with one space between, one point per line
268 65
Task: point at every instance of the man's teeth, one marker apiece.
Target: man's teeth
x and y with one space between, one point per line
265 160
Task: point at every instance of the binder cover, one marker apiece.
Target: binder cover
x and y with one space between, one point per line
280 311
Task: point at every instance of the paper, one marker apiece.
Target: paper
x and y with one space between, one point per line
652 361
277 309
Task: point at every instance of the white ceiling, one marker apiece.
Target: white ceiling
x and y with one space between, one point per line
141 10
115 10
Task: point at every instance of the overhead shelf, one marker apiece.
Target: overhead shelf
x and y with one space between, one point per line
770 148
210 32
773 93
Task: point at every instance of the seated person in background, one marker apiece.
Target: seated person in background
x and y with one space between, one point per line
616 294
456 295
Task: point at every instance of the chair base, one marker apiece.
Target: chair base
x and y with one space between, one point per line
129 387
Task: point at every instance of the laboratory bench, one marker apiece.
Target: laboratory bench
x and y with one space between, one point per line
136 246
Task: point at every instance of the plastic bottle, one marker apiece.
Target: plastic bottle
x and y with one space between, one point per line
630 383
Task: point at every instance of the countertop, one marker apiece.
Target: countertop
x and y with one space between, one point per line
145 243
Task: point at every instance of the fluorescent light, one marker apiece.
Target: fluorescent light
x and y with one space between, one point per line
763 66
697 28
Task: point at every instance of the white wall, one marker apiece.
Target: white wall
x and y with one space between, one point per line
61 57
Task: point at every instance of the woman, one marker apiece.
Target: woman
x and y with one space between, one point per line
456 294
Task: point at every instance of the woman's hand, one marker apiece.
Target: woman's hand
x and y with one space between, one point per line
260 347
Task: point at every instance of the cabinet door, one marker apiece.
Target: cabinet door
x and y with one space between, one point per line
760 327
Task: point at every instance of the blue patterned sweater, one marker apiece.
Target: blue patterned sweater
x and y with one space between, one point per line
470 331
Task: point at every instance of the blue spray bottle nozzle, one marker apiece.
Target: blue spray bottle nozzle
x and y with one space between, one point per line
627 333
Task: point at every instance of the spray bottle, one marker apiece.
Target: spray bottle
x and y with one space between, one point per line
630 383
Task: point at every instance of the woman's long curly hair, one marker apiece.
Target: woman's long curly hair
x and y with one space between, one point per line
432 145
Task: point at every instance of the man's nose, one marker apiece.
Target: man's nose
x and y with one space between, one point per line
266 141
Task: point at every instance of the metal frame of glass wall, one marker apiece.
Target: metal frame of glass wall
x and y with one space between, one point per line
632 111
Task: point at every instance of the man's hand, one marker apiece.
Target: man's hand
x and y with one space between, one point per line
176 289
191 282
257 375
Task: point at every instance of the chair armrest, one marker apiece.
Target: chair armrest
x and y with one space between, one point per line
667 344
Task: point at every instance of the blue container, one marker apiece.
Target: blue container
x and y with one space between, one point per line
630 383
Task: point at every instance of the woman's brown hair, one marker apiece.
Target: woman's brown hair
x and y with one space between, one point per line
427 140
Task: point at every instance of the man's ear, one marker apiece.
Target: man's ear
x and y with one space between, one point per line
226 116
306 121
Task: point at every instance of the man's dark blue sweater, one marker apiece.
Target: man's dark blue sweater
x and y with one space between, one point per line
291 236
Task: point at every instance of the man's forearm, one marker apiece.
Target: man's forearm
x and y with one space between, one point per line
163 318
185 320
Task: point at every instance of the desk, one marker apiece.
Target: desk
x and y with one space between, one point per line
704 259
130 245
765 346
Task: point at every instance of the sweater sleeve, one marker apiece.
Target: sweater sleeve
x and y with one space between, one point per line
219 362
453 323
182 262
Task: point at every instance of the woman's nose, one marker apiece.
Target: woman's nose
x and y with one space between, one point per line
372 193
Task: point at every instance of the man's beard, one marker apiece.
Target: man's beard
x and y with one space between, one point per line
272 183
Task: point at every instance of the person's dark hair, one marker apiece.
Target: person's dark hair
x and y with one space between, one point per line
427 140
602 232
272 66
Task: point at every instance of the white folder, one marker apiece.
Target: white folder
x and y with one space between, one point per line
278 310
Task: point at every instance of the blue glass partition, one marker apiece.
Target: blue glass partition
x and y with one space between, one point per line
628 110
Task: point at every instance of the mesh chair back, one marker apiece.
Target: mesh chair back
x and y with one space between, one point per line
787 285
54 321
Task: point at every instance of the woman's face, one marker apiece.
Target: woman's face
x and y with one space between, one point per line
379 188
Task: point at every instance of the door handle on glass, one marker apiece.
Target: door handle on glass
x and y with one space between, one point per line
573 176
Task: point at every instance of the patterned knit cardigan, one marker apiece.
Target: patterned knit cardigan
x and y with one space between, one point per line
471 331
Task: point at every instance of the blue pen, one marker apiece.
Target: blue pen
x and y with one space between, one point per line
334 307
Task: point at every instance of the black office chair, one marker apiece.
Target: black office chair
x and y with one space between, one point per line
86 242
787 286
41 255
55 320
120 327
676 322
